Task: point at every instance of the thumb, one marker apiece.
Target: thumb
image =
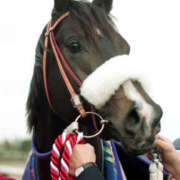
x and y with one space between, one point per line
162 145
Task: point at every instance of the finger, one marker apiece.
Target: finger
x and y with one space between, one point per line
171 178
164 138
87 145
79 145
162 145
90 147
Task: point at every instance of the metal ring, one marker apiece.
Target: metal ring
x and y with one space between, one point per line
102 122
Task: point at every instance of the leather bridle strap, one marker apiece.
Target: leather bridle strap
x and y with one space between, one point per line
46 42
60 61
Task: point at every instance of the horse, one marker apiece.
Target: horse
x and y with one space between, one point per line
87 38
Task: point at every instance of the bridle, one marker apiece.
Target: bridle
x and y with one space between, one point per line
60 59
62 62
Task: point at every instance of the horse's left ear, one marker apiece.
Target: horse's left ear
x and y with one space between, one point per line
61 5
106 4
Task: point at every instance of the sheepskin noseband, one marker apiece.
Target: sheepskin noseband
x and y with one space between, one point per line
102 84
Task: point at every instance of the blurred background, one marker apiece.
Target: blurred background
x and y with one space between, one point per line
150 26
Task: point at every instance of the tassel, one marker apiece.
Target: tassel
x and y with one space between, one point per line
153 171
160 171
156 169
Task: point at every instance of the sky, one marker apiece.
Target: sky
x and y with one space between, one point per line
150 26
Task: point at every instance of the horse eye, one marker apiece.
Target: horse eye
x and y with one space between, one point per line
74 47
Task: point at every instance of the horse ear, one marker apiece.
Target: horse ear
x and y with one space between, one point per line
61 5
106 4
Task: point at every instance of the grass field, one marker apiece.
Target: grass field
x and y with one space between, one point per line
12 168
13 157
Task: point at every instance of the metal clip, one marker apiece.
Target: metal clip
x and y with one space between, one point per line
156 168
76 101
155 159
156 156
103 122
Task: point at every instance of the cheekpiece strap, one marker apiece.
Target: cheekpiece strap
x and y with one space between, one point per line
60 61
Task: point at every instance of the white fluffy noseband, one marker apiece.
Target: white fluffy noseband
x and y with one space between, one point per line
99 86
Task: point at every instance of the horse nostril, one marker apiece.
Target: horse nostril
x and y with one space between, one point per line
133 123
134 117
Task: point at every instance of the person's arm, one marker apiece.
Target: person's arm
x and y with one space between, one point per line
83 163
171 158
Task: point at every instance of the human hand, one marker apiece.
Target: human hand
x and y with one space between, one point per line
171 159
81 154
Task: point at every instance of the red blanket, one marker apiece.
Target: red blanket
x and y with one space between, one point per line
5 178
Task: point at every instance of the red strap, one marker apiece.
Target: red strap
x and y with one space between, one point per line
44 69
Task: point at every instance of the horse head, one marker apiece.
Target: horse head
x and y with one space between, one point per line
87 38
119 92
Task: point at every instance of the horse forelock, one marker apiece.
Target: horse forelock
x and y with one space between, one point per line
90 19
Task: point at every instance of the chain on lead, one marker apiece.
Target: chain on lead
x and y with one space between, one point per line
156 168
156 156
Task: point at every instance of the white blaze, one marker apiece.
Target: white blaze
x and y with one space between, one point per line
146 110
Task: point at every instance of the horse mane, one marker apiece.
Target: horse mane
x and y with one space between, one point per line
88 15
36 102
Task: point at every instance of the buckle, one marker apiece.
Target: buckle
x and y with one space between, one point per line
76 101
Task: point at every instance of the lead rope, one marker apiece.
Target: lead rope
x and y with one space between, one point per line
156 168
63 145
62 151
